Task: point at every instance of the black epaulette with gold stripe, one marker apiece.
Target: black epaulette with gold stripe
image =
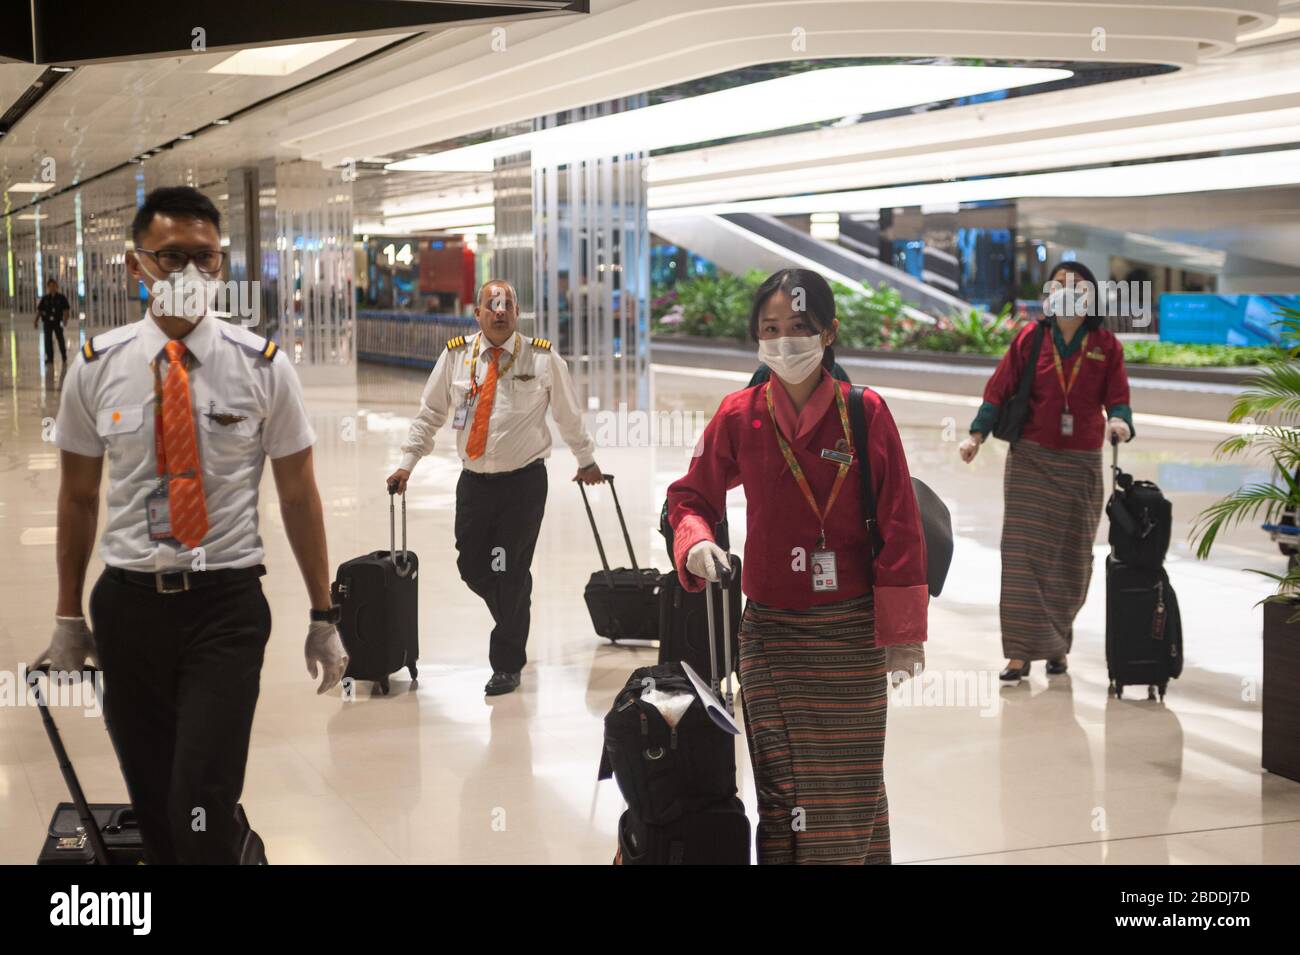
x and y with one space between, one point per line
543 343
269 350
88 350
455 343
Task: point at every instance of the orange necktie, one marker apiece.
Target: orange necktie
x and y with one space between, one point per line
478 431
189 511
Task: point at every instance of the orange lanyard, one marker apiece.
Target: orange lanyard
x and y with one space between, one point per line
1074 372
797 471
501 372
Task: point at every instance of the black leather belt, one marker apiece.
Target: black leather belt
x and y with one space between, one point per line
179 581
498 475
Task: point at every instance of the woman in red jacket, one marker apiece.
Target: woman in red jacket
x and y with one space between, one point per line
823 623
1053 486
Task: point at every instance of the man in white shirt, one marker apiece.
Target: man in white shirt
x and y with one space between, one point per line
496 387
186 408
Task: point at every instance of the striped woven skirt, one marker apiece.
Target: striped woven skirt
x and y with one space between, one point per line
815 705
1052 506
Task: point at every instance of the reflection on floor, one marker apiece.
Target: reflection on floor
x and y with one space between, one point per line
1051 771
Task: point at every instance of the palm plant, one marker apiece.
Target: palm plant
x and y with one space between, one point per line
1273 396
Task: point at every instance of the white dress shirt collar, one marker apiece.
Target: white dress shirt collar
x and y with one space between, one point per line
198 341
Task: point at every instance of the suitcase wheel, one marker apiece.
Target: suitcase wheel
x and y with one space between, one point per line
382 686
1119 690
1151 692
1163 687
415 674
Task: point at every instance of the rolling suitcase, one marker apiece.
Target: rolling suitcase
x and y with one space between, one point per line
683 626
379 599
681 787
623 602
1144 631
82 833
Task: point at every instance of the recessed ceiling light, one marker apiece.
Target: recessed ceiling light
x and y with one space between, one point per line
185 136
62 69
32 217
221 122
30 187
278 60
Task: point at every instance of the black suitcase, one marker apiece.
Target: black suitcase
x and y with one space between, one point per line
684 626
716 835
680 784
81 833
379 598
623 602
1144 630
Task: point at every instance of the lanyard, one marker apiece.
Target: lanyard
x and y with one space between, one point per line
473 363
160 450
1074 372
797 471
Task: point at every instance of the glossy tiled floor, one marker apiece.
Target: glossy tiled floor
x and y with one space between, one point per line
1049 772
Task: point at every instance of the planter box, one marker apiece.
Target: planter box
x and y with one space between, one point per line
1281 744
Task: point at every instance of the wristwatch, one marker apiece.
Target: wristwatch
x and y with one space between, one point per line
333 615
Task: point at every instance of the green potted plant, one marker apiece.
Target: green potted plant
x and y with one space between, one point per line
1271 401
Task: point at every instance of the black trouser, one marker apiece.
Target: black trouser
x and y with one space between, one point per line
52 331
181 675
498 517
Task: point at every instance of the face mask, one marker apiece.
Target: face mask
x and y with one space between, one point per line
794 358
187 295
1067 303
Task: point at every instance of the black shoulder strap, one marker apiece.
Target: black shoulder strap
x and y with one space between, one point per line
1027 373
858 425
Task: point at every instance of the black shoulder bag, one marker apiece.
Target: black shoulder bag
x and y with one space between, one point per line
936 522
1013 415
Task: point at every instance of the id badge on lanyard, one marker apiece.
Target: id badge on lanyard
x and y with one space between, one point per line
1067 419
460 416
825 574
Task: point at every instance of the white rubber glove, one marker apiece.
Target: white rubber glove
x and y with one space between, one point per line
324 647
1119 428
700 560
969 448
70 646
904 661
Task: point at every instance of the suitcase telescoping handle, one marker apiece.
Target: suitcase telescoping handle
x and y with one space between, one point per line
724 586
88 824
1114 460
591 519
402 565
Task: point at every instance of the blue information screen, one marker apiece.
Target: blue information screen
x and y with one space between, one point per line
1206 319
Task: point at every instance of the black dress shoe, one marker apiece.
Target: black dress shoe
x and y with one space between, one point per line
1013 676
502 682
1057 667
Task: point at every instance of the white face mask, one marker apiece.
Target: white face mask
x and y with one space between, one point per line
793 358
1067 303
187 295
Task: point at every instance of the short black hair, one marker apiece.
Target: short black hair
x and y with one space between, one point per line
174 201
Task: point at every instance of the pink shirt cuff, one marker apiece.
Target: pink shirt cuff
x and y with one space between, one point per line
689 532
901 614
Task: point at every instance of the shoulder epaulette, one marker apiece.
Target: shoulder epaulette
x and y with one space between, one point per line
97 345
269 350
543 343
88 350
455 343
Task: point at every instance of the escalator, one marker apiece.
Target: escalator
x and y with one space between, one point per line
740 241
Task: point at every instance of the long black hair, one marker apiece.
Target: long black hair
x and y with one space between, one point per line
1081 271
818 300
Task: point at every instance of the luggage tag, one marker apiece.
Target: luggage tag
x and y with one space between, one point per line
824 574
460 417
158 513
1067 424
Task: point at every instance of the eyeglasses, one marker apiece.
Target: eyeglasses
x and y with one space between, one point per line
173 260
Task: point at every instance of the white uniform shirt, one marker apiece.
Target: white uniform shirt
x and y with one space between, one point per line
107 407
517 430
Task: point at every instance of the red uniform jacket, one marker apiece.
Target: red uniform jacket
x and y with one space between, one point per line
739 447
1102 384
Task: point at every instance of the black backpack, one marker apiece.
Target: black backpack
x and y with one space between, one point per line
666 772
1141 521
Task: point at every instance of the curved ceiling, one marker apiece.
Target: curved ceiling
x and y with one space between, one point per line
625 47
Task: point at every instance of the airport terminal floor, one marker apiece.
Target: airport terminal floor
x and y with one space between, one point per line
1051 771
